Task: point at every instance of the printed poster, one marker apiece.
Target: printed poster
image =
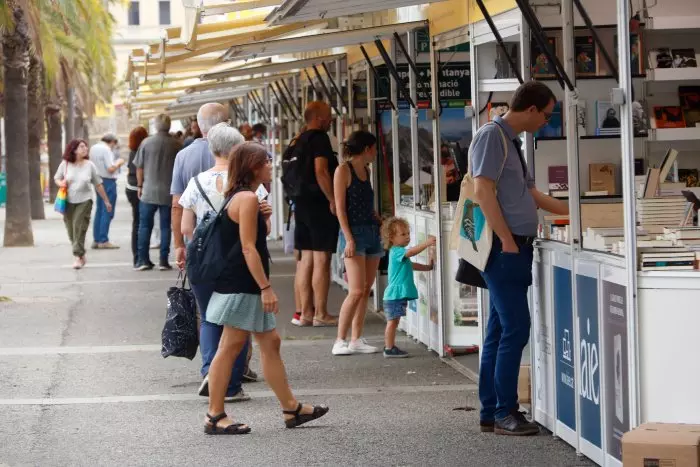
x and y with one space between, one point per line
615 364
590 364
564 342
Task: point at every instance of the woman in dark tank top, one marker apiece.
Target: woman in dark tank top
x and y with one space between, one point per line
243 301
363 249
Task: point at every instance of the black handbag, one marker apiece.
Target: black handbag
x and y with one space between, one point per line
180 336
469 275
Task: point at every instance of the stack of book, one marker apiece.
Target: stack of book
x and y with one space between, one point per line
667 261
683 236
656 213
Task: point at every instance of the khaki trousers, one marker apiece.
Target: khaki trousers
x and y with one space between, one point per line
77 220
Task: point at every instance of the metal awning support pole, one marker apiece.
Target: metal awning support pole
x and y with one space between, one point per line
284 105
395 74
594 32
259 106
623 97
540 38
374 72
284 87
263 107
311 83
325 90
499 40
341 98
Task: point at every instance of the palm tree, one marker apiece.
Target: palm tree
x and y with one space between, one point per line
35 130
15 48
70 39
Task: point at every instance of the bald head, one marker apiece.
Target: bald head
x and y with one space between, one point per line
318 116
209 115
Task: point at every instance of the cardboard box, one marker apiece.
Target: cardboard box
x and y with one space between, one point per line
524 385
602 215
662 445
601 177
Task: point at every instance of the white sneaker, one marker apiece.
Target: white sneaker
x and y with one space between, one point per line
361 346
240 396
341 348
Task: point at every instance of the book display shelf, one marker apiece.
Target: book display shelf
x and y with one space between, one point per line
616 283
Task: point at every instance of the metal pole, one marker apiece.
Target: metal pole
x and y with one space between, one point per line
624 92
340 120
351 95
396 162
567 16
295 97
440 251
413 116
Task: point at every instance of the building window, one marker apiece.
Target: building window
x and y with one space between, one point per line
134 14
164 11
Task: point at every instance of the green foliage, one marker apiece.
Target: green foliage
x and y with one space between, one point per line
73 39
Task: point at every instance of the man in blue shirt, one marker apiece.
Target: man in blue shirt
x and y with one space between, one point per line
505 190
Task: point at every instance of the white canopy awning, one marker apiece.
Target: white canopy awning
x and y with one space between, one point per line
262 81
319 41
292 11
271 67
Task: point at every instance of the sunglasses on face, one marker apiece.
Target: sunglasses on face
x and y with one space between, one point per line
547 116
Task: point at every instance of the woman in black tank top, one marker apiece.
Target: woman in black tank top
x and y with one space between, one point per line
363 249
243 301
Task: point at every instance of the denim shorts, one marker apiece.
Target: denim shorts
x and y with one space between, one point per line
395 309
367 241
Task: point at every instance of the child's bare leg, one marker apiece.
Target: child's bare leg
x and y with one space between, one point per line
390 333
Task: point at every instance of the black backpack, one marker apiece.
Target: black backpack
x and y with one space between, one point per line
206 258
296 168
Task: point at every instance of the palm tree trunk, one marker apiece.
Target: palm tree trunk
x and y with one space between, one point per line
15 47
36 133
54 140
69 120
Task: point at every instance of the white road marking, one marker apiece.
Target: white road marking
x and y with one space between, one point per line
142 278
274 259
97 349
255 394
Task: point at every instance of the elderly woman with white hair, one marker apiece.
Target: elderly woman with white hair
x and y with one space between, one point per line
205 193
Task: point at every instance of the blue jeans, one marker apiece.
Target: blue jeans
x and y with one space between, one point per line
508 277
147 212
100 229
209 336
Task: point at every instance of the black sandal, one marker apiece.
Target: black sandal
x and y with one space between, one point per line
301 418
232 429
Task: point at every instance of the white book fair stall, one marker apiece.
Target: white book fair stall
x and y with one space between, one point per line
616 283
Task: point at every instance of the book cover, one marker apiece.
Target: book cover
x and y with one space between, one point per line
607 115
661 58
586 57
638 167
555 126
558 176
541 66
669 117
689 176
667 163
651 184
497 109
684 58
601 177
690 104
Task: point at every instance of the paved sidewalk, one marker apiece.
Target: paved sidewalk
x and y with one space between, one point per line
82 381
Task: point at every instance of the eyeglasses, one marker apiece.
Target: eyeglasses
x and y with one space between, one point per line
547 116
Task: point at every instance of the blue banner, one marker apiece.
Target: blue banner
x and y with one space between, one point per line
590 359
564 341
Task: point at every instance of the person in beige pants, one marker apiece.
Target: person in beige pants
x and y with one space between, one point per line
78 175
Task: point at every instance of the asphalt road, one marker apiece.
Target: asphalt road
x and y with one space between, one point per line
82 381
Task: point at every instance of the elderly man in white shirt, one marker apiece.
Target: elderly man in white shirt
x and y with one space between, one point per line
102 155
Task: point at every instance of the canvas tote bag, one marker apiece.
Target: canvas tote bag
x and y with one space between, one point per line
471 236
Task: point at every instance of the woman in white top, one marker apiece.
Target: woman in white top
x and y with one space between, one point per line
79 175
222 138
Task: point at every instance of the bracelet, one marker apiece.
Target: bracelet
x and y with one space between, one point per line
265 288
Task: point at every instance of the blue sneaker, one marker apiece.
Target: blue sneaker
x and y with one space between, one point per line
394 352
